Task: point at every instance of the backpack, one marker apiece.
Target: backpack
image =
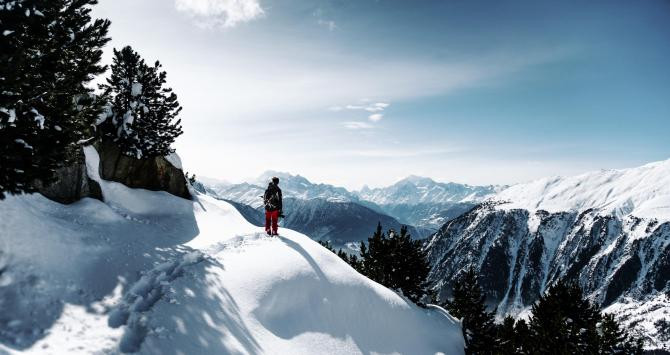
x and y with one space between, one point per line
272 199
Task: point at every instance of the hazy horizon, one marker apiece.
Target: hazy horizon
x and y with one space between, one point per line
255 179
367 92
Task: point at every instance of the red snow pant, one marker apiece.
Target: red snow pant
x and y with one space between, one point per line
271 219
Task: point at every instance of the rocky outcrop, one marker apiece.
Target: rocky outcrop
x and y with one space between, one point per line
71 184
156 174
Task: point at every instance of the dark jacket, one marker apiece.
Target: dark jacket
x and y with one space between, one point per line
272 198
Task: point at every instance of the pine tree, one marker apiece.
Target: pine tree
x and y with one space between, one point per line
49 51
374 257
410 265
143 112
511 337
522 337
564 322
397 262
468 304
355 262
349 259
614 340
506 337
343 255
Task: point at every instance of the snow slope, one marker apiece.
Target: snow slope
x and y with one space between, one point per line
415 190
149 272
643 192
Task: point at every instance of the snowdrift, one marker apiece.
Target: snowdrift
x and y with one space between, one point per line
152 273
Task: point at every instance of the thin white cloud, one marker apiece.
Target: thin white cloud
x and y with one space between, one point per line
322 21
269 82
220 13
370 107
356 125
376 117
405 152
329 24
379 106
376 109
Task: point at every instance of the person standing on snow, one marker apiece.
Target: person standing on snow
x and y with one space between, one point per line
273 206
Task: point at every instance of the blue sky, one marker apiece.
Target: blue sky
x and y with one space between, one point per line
366 92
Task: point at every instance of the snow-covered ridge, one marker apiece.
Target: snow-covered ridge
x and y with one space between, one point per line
416 190
417 201
150 272
412 190
295 186
643 192
608 230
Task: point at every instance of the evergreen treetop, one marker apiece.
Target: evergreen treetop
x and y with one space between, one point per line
561 322
49 51
468 304
564 322
349 259
142 118
397 262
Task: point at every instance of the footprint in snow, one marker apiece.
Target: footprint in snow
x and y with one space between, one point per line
142 295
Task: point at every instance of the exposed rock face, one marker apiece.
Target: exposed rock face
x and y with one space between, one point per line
72 184
519 253
155 174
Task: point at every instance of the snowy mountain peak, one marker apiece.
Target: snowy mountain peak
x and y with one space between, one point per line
295 186
643 192
265 178
416 180
414 190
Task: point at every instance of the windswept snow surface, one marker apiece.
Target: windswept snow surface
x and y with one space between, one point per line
152 273
643 192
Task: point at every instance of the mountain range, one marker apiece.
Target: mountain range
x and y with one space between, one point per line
327 212
607 230
415 190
